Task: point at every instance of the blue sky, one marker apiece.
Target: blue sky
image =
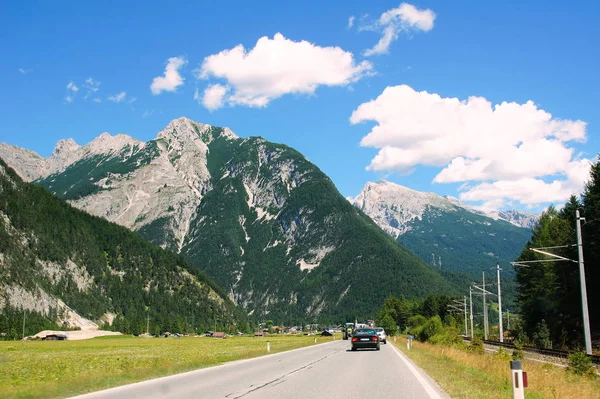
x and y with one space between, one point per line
512 51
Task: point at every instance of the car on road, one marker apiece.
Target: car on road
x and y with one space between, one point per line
381 334
365 338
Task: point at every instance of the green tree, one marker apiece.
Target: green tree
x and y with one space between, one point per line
591 243
389 325
541 338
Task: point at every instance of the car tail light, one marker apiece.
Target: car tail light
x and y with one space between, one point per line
375 338
354 339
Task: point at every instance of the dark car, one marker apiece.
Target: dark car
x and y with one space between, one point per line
365 338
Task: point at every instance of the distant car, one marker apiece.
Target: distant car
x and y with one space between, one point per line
381 334
365 338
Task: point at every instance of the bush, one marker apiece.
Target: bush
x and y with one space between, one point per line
581 364
477 345
416 321
432 327
502 354
388 324
449 337
518 351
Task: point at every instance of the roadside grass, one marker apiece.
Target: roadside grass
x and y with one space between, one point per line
56 369
465 374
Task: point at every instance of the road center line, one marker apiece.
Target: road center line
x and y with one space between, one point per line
278 380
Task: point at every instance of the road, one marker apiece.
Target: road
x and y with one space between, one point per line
327 370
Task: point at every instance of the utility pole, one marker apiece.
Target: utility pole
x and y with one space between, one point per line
500 327
485 313
471 305
508 318
23 323
584 304
148 321
466 326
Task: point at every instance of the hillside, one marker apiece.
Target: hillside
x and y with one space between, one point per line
260 219
443 232
67 268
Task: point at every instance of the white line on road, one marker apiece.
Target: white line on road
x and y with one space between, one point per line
426 386
124 388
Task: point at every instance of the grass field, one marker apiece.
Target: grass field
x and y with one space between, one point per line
465 374
57 369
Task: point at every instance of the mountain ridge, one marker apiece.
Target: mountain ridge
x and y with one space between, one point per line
265 223
446 234
414 201
67 267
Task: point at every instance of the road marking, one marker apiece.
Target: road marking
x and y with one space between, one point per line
424 383
174 377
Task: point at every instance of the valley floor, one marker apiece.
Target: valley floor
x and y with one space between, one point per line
58 369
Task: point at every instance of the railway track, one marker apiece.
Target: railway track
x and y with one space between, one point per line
555 353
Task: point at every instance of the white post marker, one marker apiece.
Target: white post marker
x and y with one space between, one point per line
519 379
315 340
268 346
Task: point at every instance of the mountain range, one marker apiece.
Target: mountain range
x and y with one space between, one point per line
73 270
444 232
260 219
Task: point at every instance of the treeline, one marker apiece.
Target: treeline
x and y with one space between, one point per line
14 321
549 293
397 315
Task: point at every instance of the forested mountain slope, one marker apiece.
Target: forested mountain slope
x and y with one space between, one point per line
260 219
444 233
67 267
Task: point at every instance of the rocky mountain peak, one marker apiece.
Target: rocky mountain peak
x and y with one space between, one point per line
107 143
65 145
393 206
182 131
518 218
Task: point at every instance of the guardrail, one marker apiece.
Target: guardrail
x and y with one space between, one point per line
533 349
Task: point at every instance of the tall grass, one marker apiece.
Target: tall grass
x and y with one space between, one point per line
52 369
464 374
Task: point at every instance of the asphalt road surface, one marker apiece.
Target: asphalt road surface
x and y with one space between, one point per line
328 371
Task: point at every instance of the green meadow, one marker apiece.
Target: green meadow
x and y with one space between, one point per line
57 369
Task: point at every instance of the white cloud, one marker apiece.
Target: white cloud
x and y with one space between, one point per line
131 100
214 96
279 66
351 21
117 98
71 86
147 113
405 18
24 71
97 100
91 86
514 151
171 79
72 90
